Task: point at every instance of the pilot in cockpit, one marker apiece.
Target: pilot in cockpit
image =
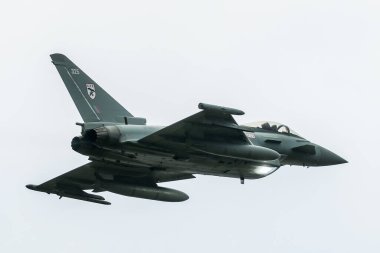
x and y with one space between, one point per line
267 126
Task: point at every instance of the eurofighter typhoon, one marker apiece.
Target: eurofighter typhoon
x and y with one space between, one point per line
130 158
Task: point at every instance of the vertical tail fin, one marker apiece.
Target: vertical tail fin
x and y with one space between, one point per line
93 103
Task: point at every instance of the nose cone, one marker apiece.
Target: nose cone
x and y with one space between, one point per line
326 158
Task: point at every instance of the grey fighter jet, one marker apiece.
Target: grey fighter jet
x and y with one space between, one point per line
128 157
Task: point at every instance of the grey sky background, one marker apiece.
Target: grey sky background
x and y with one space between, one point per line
313 65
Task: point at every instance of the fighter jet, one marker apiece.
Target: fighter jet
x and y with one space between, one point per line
128 157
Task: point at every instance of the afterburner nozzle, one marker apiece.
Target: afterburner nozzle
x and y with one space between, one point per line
103 135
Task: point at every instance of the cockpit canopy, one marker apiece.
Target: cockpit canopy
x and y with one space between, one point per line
273 127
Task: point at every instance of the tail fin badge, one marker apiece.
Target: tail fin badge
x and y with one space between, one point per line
91 90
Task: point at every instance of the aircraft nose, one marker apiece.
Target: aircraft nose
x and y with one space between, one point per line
326 157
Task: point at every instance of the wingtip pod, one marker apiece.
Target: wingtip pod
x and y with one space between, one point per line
33 187
217 108
30 186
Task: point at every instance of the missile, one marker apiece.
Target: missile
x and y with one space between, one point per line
145 192
97 200
244 152
79 194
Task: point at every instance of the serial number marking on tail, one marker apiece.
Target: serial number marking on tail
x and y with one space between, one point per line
75 71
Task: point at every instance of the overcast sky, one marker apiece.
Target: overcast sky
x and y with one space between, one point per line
313 65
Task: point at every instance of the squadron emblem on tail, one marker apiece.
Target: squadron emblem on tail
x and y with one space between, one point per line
91 90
